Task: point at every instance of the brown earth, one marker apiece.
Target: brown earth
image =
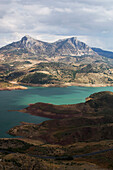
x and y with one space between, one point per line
76 129
13 88
99 104
89 121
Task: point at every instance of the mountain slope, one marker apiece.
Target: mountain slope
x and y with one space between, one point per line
31 61
24 49
72 47
108 54
29 48
62 74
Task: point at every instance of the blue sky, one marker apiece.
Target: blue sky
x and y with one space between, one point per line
49 20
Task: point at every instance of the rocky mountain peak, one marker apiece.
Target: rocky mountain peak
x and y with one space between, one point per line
27 41
73 39
27 38
68 47
73 47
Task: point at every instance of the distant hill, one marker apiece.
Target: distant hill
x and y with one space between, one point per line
108 54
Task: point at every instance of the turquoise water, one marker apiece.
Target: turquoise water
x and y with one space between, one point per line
18 99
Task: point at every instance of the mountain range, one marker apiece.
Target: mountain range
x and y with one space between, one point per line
65 47
32 61
65 50
108 54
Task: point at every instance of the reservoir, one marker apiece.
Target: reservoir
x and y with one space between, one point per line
19 99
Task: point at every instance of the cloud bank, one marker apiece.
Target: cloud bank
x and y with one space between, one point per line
89 20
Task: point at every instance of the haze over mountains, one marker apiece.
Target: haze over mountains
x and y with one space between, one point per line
108 54
32 61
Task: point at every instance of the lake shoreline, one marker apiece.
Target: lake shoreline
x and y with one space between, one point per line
22 86
13 88
19 99
67 85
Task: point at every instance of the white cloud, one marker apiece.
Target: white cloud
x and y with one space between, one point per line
65 10
52 19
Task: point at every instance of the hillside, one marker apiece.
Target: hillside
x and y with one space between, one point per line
20 154
75 123
96 104
108 54
80 139
60 74
62 63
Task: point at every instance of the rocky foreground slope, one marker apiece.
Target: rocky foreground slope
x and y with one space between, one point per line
76 122
82 128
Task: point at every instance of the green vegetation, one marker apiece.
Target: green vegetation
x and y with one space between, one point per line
37 78
14 75
56 73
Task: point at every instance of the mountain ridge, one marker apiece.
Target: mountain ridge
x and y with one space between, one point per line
105 53
62 47
61 63
65 47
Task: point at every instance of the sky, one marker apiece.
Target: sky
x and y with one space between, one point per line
91 21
